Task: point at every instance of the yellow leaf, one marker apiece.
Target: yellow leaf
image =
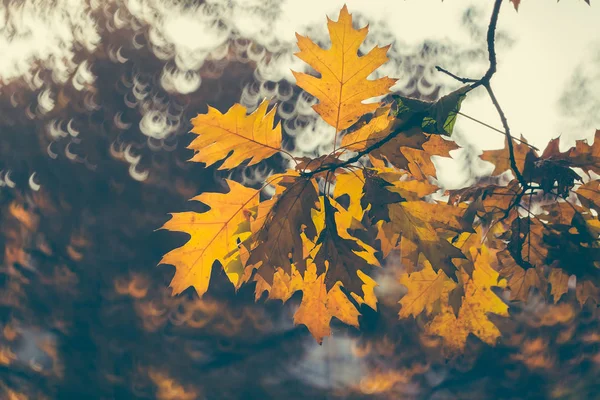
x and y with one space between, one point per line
478 301
368 288
424 289
343 84
388 237
244 136
319 306
351 184
284 285
213 236
369 133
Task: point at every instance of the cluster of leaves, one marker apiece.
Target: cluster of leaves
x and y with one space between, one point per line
335 219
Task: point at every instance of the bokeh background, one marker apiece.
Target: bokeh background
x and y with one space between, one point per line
95 103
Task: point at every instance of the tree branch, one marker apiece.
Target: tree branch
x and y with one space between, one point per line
511 150
485 82
415 118
458 78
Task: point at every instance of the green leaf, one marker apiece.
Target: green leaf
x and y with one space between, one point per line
439 116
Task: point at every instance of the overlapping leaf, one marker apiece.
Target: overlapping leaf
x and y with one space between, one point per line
478 301
533 234
283 219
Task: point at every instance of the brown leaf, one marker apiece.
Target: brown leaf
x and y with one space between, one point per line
586 290
340 255
521 281
279 240
559 282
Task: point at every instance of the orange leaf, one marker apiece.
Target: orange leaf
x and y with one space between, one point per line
501 160
319 305
343 84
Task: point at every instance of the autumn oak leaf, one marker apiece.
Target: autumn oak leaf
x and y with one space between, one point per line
339 255
213 236
235 136
278 240
424 289
343 85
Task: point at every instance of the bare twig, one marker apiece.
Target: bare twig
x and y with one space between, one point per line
511 150
485 82
416 117
458 78
498 130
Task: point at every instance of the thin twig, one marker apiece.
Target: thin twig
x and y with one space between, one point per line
485 82
416 117
511 150
491 35
458 78
498 130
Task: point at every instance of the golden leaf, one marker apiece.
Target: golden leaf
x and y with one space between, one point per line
424 289
283 287
414 220
319 305
213 236
478 301
244 136
343 84
351 184
388 237
376 129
